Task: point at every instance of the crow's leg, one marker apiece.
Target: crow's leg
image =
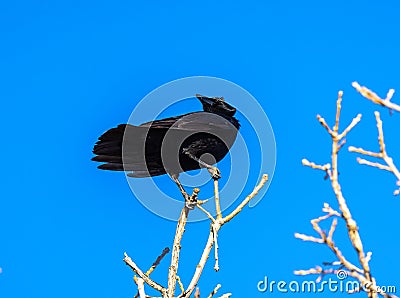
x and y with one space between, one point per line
189 203
175 177
214 171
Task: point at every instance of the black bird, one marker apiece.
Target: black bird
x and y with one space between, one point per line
171 145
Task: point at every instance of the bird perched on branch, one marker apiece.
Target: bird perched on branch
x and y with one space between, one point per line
171 145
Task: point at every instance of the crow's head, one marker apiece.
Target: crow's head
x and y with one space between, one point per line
216 105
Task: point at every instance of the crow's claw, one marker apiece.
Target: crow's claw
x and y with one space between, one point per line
215 173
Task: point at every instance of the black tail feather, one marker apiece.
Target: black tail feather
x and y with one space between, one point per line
108 150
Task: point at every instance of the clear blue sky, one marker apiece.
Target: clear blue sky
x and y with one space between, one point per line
69 70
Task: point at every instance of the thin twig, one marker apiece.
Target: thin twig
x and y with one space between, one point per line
338 109
326 167
364 152
217 287
332 229
308 238
216 196
180 284
153 266
128 261
157 261
350 127
197 293
324 124
378 165
207 213
215 234
264 179
390 165
214 228
368 94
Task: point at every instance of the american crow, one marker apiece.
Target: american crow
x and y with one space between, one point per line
171 145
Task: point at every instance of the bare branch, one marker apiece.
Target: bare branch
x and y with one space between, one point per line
264 179
364 152
325 167
153 266
215 235
218 286
157 261
216 224
140 284
173 268
180 284
128 261
207 213
332 169
197 293
368 94
330 210
214 228
324 124
353 123
216 196
316 270
390 166
308 238
362 161
338 109
332 230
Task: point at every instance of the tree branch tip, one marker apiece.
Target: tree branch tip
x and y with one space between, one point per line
356 85
197 293
308 238
300 236
305 162
340 93
368 256
315 270
390 94
202 202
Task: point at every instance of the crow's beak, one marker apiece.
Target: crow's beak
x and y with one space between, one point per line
208 100
205 100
